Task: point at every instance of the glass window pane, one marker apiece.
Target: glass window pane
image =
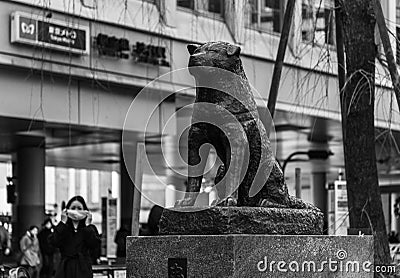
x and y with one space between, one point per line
307 21
329 26
186 4
275 13
50 183
317 21
253 11
95 187
266 14
398 11
215 6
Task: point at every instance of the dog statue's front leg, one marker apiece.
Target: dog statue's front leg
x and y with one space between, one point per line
197 159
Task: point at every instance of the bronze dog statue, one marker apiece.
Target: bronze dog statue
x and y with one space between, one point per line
233 95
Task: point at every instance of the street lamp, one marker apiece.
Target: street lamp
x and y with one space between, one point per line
312 154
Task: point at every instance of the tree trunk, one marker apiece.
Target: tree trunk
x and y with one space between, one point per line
365 204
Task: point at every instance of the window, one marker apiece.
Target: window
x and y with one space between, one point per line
318 21
398 11
207 7
189 4
398 32
215 6
266 15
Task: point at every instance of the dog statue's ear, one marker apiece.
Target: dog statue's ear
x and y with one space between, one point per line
233 50
192 48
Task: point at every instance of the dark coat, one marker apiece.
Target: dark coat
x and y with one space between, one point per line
74 248
45 246
5 241
120 240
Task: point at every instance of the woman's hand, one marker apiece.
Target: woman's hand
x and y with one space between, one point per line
88 219
64 216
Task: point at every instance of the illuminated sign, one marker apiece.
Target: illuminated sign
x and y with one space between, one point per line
49 33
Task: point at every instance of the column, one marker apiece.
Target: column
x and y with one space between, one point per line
319 193
127 172
30 186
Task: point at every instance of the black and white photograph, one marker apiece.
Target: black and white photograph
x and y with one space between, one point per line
200 139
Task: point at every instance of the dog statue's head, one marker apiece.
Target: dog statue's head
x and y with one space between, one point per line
221 55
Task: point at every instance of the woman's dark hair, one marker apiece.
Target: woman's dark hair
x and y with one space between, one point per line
80 199
33 227
47 220
154 219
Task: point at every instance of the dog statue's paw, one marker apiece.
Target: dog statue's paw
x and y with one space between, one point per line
185 202
228 202
231 202
269 204
300 204
216 202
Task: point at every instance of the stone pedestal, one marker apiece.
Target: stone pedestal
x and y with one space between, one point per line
249 256
241 220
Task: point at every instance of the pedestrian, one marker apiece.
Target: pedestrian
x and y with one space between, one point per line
29 246
75 236
46 249
120 240
153 222
394 237
5 243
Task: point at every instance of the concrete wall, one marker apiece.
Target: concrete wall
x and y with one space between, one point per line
56 99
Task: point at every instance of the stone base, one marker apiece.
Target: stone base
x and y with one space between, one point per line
241 220
249 256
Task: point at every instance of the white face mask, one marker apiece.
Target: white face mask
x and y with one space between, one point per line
77 215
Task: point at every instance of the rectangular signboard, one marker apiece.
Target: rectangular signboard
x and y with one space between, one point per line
37 30
120 273
338 213
111 227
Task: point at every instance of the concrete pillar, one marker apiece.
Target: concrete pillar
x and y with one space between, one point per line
295 39
29 171
127 172
319 193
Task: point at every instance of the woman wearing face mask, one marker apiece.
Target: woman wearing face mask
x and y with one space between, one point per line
75 236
